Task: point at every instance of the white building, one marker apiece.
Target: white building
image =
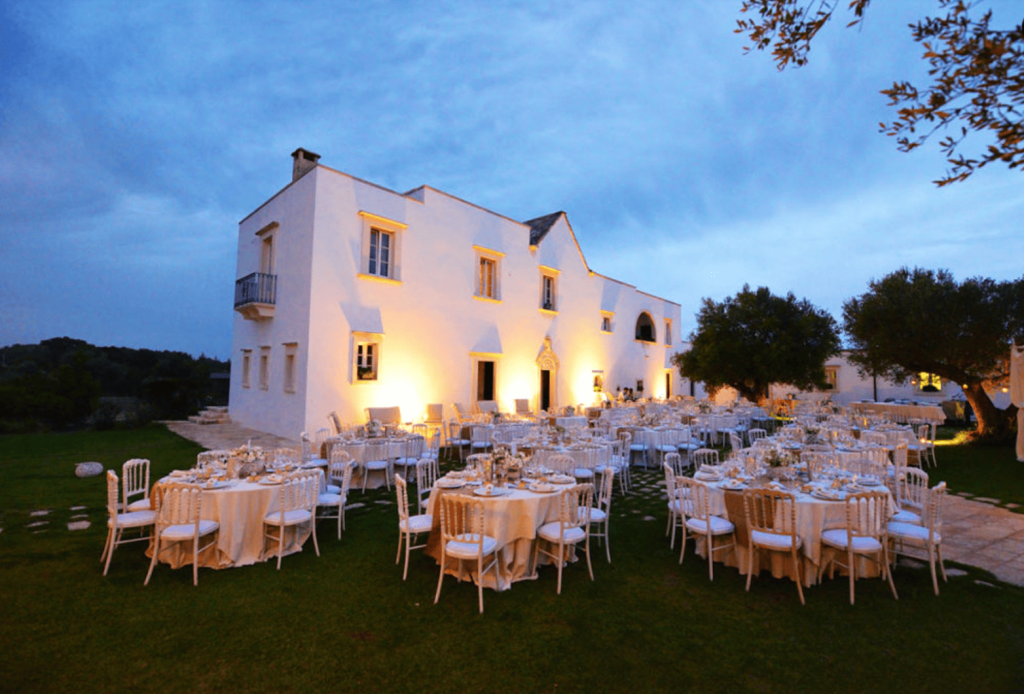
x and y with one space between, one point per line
353 296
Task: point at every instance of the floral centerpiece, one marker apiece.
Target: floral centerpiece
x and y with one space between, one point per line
778 463
246 461
703 407
506 465
373 429
812 435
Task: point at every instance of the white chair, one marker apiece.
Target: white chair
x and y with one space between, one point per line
641 443
927 537
454 438
704 456
866 535
330 505
409 527
735 440
433 451
771 525
571 528
480 439
625 455
463 539
675 510
523 408
911 496
179 519
756 434
135 476
601 512
335 423
675 461
561 463
118 522
337 457
693 500
320 437
426 476
412 451
297 508
310 455
376 458
926 444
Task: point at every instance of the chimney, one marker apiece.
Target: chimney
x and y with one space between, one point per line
302 161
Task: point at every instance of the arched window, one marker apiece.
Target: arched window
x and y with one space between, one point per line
645 328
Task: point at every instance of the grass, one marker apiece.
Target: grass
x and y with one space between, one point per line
346 621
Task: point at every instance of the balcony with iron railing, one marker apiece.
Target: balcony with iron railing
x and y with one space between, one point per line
256 295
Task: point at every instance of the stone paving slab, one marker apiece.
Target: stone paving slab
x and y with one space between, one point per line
227 435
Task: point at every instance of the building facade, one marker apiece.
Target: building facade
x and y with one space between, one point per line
351 296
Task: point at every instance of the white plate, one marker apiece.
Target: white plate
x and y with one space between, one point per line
218 484
561 479
827 495
449 484
270 481
705 477
493 491
542 488
733 486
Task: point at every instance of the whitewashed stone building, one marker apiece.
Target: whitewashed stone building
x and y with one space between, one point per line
351 296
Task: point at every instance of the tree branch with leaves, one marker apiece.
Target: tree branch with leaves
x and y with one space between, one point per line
977 75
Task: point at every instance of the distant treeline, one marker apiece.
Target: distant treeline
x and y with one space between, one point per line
63 382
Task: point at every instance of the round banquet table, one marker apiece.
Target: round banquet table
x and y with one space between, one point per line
513 521
813 515
239 509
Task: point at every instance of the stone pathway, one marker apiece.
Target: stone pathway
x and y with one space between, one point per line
974 533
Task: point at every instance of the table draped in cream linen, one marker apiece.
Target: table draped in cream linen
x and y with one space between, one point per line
1017 394
812 517
932 414
239 510
513 521
586 456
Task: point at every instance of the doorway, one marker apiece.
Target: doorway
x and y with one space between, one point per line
545 389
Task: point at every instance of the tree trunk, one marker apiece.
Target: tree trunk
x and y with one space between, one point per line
992 422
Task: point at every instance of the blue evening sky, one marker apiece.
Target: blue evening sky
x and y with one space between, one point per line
135 135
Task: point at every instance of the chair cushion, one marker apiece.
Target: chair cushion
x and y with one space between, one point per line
465 546
329 499
332 489
596 515
140 505
417 524
911 532
135 519
293 517
905 516
376 465
838 538
176 533
551 531
583 473
772 540
718 526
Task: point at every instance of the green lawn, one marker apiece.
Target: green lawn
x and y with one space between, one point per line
346 621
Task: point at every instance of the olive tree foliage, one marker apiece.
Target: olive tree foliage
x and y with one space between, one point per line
976 73
755 339
920 321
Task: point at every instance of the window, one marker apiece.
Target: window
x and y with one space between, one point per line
832 377
382 246
366 353
264 368
668 332
488 274
929 383
290 349
547 300
486 280
484 375
645 328
381 243
606 321
246 367
548 289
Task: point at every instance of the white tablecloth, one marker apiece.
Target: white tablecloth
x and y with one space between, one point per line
932 414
